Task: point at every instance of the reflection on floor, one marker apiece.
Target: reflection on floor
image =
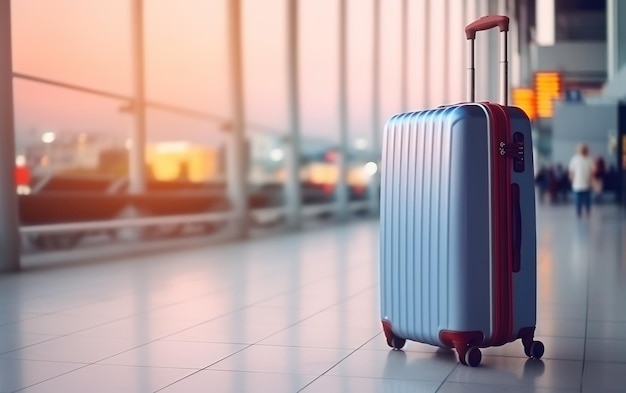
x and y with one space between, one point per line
300 313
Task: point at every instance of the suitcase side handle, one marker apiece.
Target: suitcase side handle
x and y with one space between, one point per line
517 228
486 23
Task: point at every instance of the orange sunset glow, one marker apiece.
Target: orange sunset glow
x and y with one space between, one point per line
89 44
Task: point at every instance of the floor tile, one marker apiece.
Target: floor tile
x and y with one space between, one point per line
321 337
12 315
215 381
601 350
396 365
73 349
141 328
225 332
201 309
286 360
265 316
335 384
108 309
602 313
510 371
456 387
17 374
344 318
606 330
177 354
561 327
300 300
54 303
604 377
561 310
10 342
58 324
106 379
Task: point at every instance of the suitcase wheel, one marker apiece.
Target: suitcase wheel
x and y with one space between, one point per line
471 357
534 350
397 342
393 341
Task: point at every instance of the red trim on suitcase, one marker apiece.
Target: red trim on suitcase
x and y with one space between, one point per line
387 328
461 341
449 338
501 224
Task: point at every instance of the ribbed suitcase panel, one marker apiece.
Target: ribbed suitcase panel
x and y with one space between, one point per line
434 234
415 204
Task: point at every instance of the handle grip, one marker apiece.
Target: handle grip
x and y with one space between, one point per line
517 228
486 23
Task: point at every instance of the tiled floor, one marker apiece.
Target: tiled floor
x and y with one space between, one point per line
300 313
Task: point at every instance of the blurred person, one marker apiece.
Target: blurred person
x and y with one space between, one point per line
561 183
552 183
581 173
599 173
548 180
541 180
610 180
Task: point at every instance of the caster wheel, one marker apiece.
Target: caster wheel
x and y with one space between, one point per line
393 341
534 350
472 357
397 343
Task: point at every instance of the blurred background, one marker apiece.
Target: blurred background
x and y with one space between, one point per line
146 124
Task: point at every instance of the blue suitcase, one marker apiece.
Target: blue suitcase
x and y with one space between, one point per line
457 224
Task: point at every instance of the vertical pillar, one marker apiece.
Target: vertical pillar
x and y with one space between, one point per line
514 59
404 79
341 192
292 162
9 222
446 50
455 45
621 154
482 49
137 161
616 28
426 34
524 48
238 179
374 184
489 52
611 38
620 10
545 22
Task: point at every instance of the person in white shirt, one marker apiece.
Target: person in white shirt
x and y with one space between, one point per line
581 175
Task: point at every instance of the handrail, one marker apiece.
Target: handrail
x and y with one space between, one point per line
119 223
225 121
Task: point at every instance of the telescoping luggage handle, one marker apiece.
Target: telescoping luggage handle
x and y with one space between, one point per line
516 149
486 23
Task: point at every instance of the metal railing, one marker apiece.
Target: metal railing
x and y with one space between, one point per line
56 235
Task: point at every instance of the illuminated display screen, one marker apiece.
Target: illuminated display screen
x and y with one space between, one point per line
547 89
524 98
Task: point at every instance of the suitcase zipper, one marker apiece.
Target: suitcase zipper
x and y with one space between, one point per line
502 217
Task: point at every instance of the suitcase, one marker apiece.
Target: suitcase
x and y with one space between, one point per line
457 223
